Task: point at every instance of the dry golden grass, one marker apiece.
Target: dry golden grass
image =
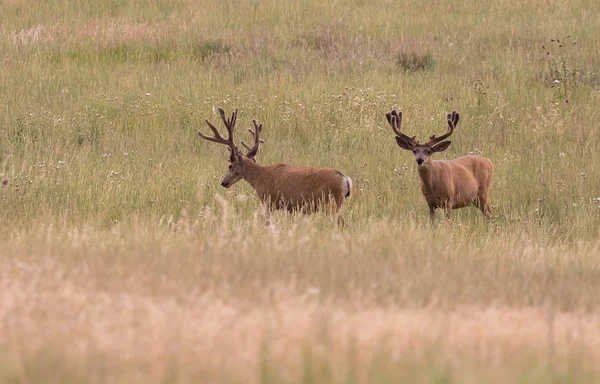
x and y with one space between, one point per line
182 303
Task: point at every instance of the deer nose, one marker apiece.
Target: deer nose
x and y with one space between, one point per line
419 161
224 184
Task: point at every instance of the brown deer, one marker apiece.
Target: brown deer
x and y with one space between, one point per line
447 184
281 186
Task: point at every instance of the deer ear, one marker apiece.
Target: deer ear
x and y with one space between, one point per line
441 147
252 152
403 144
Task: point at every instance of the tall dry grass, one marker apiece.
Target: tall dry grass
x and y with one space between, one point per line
179 303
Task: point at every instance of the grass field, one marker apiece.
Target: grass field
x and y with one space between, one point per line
123 260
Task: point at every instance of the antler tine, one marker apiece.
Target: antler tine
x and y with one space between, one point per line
452 123
257 132
252 151
217 138
395 120
229 123
455 118
257 128
245 145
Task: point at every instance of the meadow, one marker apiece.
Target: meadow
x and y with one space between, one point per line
123 259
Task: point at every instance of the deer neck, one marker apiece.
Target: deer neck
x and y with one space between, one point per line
253 172
427 173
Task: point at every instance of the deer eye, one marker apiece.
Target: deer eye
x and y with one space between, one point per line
229 166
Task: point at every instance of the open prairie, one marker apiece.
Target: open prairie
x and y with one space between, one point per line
123 260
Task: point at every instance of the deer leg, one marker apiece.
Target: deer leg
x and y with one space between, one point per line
339 212
486 210
448 210
479 203
484 207
432 214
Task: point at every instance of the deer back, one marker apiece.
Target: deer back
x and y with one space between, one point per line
293 187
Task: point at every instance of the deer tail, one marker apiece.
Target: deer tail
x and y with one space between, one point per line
348 185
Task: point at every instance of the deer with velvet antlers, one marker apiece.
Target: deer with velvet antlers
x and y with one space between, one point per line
447 184
280 186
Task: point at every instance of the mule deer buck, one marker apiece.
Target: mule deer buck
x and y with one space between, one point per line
447 184
281 186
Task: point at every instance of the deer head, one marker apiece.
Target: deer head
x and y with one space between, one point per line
422 152
237 169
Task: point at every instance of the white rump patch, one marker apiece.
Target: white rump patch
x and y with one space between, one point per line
347 186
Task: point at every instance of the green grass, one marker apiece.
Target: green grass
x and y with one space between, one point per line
113 204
